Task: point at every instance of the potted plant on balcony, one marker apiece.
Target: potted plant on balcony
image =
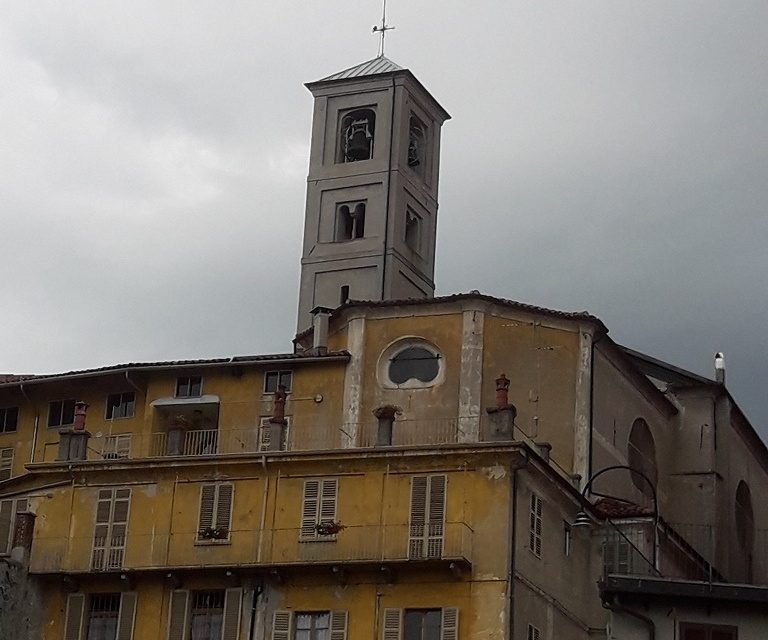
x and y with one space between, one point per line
213 533
329 528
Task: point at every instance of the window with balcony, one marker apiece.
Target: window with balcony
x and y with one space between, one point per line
61 413
422 624
426 528
535 525
309 625
8 511
210 614
120 405
318 510
215 517
117 447
273 379
9 418
100 616
6 463
698 631
189 387
110 529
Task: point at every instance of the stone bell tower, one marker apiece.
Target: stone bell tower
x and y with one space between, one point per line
371 215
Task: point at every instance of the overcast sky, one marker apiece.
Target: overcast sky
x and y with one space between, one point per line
603 155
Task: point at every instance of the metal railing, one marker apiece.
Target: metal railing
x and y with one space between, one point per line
628 550
267 547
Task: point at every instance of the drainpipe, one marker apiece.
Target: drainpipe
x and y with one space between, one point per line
131 382
389 189
36 426
512 545
257 591
619 608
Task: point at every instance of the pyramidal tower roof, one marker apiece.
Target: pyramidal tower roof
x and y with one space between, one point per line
376 66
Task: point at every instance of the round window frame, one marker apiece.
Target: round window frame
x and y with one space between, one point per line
400 345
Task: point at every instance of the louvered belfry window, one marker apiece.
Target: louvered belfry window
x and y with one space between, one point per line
534 533
214 523
111 527
420 624
318 507
309 625
427 522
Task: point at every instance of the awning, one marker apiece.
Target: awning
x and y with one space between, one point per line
185 402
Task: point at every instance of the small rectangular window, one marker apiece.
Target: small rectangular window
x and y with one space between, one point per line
698 631
534 633
61 413
535 522
215 518
120 405
117 447
6 463
318 510
344 294
412 230
9 417
111 529
567 538
272 379
207 614
189 387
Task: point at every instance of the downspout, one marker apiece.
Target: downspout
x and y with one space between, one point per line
257 591
389 190
615 606
131 382
263 508
511 553
591 406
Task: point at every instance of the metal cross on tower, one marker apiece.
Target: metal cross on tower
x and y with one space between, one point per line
383 28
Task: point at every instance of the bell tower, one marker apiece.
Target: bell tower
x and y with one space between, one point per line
371 214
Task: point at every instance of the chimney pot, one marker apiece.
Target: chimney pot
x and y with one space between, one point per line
320 319
79 422
720 367
502 391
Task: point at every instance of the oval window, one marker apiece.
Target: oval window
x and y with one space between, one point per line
414 363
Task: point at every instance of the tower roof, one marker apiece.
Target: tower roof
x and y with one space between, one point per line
373 67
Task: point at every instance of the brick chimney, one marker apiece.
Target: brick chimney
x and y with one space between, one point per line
73 441
501 417
277 423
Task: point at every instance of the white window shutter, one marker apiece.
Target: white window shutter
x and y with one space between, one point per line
392 629
281 625
126 616
339 625
177 615
231 624
73 621
449 628
310 510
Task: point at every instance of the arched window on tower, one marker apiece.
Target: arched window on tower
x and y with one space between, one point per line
350 221
641 455
356 135
745 525
412 229
417 145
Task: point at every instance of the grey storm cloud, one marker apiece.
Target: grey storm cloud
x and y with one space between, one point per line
603 155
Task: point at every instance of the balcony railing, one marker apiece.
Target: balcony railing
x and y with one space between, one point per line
268 548
299 437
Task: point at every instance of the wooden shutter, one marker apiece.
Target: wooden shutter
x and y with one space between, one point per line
535 528
101 530
281 625
73 621
120 509
207 507
6 463
392 629
232 603
436 517
177 615
126 616
449 627
6 518
109 534
427 518
224 507
328 492
339 625
309 510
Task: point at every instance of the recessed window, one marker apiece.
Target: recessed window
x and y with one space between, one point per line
312 625
357 130
535 525
567 539
414 363
412 230
120 405
6 463
422 624
61 413
534 633
207 614
9 418
103 613
350 221
417 145
189 386
698 631
745 517
344 294
273 379
641 455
